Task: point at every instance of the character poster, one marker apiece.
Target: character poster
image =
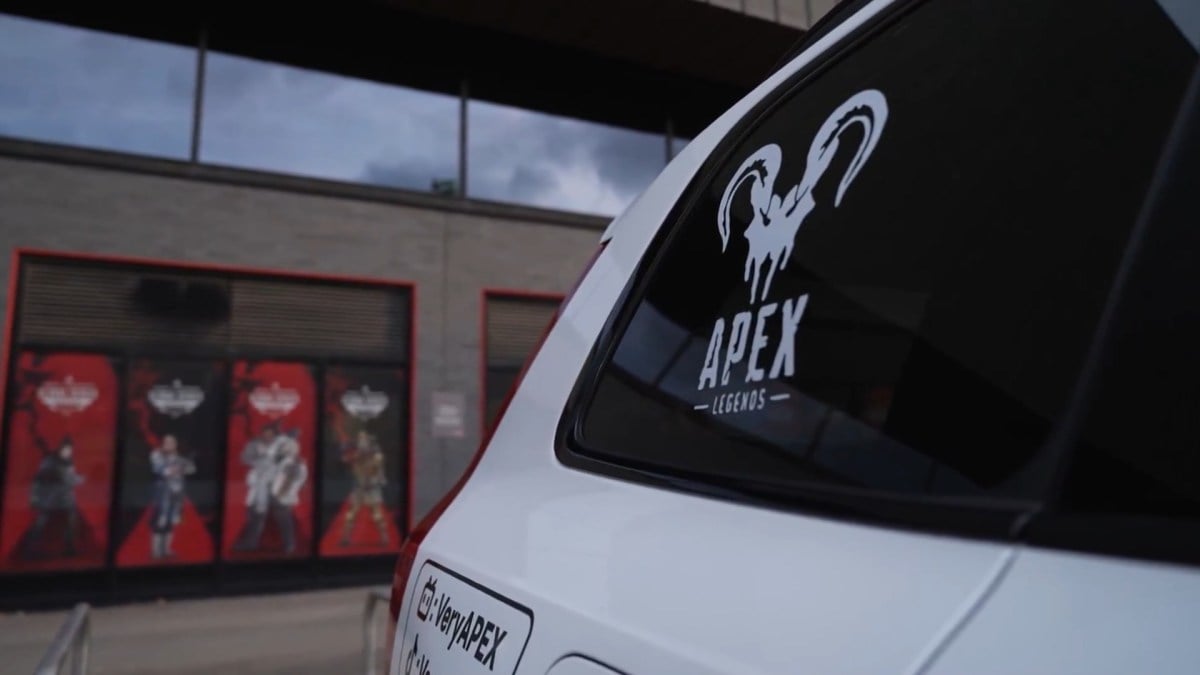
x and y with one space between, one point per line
270 461
170 463
60 456
364 461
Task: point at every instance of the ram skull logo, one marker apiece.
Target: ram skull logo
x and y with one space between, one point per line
771 233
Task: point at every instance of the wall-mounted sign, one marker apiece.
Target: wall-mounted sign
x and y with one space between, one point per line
449 414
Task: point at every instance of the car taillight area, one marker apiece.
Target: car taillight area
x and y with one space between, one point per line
412 544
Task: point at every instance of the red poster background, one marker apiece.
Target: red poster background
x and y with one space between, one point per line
340 428
245 423
34 430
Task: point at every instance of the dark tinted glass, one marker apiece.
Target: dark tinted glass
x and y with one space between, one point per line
891 281
1139 451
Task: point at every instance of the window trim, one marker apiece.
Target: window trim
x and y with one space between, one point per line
1143 536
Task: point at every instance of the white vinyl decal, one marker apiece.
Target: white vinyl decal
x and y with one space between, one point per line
176 399
364 403
274 401
742 340
772 232
68 396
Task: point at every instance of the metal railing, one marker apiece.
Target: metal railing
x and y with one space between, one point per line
375 598
74 639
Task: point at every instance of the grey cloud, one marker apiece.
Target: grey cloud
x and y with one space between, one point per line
523 156
628 162
81 87
414 174
531 183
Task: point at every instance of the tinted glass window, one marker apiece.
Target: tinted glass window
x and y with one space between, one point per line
890 282
83 87
1139 451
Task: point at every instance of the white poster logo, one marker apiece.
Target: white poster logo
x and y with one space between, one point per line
364 403
175 399
68 396
274 401
770 237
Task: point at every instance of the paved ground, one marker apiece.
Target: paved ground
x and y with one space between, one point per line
301 633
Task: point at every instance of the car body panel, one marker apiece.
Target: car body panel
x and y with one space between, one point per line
656 581
1072 613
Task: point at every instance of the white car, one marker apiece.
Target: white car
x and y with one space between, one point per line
895 369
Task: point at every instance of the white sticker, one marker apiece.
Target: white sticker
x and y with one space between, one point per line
458 626
760 340
449 414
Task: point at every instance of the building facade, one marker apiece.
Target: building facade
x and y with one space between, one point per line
323 209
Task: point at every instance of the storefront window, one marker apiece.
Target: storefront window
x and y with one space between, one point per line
156 448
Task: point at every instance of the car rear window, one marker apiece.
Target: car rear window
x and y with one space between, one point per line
889 279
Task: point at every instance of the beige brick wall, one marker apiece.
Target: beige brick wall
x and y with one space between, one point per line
450 257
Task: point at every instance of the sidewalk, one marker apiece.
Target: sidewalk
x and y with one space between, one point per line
303 633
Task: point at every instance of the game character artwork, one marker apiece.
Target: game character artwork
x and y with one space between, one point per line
170 471
52 497
167 506
59 466
365 461
275 472
365 419
268 486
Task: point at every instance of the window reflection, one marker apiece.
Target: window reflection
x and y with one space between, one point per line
279 118
517 155
677 145
82 87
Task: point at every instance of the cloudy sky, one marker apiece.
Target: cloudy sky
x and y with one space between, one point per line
79 87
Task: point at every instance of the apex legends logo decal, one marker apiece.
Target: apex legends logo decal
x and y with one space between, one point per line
365 404
67 397
274 401
770 237
175 400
